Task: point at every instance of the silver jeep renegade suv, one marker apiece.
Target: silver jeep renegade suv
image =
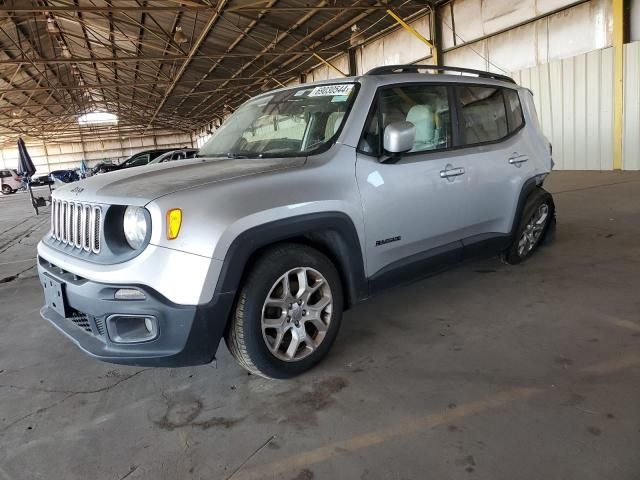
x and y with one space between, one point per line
306 201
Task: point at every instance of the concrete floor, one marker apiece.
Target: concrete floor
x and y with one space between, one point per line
486 372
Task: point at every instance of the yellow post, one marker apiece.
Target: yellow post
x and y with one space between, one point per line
618 78
331 66
415 33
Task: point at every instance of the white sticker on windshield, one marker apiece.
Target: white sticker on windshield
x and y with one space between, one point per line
331 90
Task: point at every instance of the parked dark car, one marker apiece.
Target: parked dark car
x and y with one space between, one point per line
103 167
65 176
137 160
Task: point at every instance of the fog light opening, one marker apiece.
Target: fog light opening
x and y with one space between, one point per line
132 328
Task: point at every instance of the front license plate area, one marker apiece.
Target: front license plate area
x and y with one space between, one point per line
54 295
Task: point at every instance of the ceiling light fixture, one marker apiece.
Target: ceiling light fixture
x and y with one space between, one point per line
93 118
179 37
52 26
357 36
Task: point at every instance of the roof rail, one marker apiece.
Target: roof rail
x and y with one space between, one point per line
416 69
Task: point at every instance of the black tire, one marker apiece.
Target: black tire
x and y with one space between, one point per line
538 199
244 336
6 190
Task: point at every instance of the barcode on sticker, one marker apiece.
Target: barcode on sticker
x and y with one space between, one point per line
331 90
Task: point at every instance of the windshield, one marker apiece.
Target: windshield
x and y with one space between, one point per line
291 123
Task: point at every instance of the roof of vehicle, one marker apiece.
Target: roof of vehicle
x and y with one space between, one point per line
170 153
405 74
178 150
163 150
417 68
393 74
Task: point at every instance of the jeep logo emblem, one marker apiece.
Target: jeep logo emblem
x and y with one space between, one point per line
77 190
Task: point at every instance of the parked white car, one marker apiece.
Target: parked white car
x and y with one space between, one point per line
10 181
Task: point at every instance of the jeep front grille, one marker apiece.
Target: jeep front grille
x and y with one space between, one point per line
77 224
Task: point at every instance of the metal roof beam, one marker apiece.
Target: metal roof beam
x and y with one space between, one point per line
182 8
154 59
201 38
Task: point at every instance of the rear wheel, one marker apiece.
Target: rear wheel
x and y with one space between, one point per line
6 189
288 312
537 216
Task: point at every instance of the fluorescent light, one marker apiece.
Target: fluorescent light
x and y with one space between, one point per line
97 117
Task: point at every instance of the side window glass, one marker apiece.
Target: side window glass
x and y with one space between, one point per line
482 114
427 107
140 160
514 109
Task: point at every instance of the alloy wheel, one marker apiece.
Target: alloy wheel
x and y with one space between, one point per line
296 314
533 230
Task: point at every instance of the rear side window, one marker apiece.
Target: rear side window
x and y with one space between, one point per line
5 173
514 109
483 117
425 106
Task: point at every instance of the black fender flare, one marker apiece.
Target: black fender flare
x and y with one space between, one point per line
529 187
530 190
333 233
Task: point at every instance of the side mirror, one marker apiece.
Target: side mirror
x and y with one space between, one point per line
399 138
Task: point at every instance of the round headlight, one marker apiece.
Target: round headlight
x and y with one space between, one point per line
135 226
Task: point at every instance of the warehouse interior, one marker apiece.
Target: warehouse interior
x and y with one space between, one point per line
486 371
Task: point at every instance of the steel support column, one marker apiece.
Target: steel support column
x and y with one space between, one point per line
436 36
353 64
618 77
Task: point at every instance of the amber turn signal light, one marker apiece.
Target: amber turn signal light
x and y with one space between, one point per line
174 221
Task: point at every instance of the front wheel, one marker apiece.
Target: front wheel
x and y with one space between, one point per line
537 216
6 189
288 312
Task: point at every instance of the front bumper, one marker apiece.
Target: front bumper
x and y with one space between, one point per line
187 334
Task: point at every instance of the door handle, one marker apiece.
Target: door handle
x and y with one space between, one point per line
449 171
516 159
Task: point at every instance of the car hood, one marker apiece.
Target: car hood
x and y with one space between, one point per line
140 185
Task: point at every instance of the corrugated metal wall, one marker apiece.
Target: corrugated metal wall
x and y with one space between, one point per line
54 156
631 128
563 58
574 99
